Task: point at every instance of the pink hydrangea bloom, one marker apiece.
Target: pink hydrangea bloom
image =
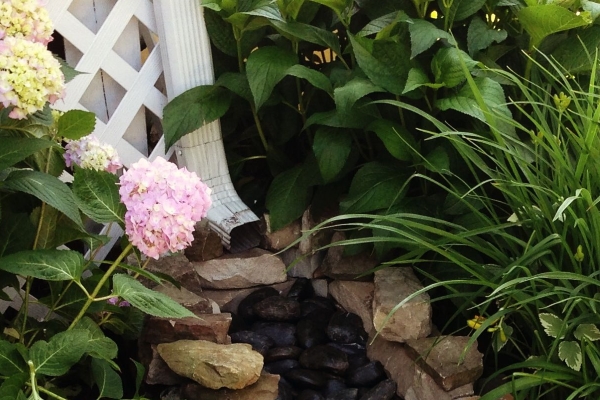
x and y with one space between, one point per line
89 153
163 205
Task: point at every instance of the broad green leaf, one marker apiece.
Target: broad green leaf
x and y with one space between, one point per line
15 149
541 21
447 67
55 357
47 188
424 34
570 353
332 148
17 233
385 62
219 31
75 124
437 161
237 83
65 234
480 36
108 381
68 71
50 265
588 331
309 33
374 187
97 195
553 326
11 362
461 9
98 345
45 217
418 78
147 300
139 376
395 137
316 78
265 68
339 6
288 196
357 119
10 388
576 54
50 161
290 8
381 23
347 95
193 109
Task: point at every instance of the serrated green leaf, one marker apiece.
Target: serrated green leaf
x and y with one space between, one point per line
570 353
237 83
553 326
68 71
55 357
424 34
11 362
543 20
339 6
265 68
395 137
461 9
288 196
10 388
47 188
98 345
17 233
139 376
147 300
316 78
381 23
374 187
480 36
447 66
309 33
418 78
576 54
437 161
332 148
588 331
75 124
386 63
97 195
219 31
15 149
193 109
50 161
108 381
45 218
345 96
50 265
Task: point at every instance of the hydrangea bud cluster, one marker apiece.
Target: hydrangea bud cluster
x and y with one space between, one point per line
89 153
29 76
25 19
163 205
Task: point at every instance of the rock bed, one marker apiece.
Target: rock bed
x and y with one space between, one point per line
318 349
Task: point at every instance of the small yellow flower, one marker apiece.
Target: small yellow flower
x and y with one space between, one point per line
476 322
561 101
579 256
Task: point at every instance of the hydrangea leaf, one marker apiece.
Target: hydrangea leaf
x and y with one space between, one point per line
108 381
75 124
97 195
50 265
55 357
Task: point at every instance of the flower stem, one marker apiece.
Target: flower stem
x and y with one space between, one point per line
107 275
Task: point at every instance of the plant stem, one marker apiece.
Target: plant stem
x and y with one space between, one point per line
143 266
24 309
104 278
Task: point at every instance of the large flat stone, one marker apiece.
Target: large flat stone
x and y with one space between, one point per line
355 297
209 327
336 265
159 373
266 388
253 267
176 266
413 319
215 366
441 358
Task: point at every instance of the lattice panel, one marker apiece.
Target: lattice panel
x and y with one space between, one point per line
119 83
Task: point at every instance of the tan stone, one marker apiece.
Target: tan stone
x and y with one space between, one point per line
228 300
266 388
282 238
209 327
212 365
302 265
443 359
196 303
425 388
321 287
355 297
177 266
336 265
252 267
159 373
206 244
312 243
413 319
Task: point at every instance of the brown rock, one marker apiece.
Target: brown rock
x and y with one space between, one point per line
198 304
301 265
177 266
441 358
318 239
206 245
159 373
425 388
266 388
355 297
214 366
282 238
321 287
209 327
229 300
413 319
338 266
252 267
